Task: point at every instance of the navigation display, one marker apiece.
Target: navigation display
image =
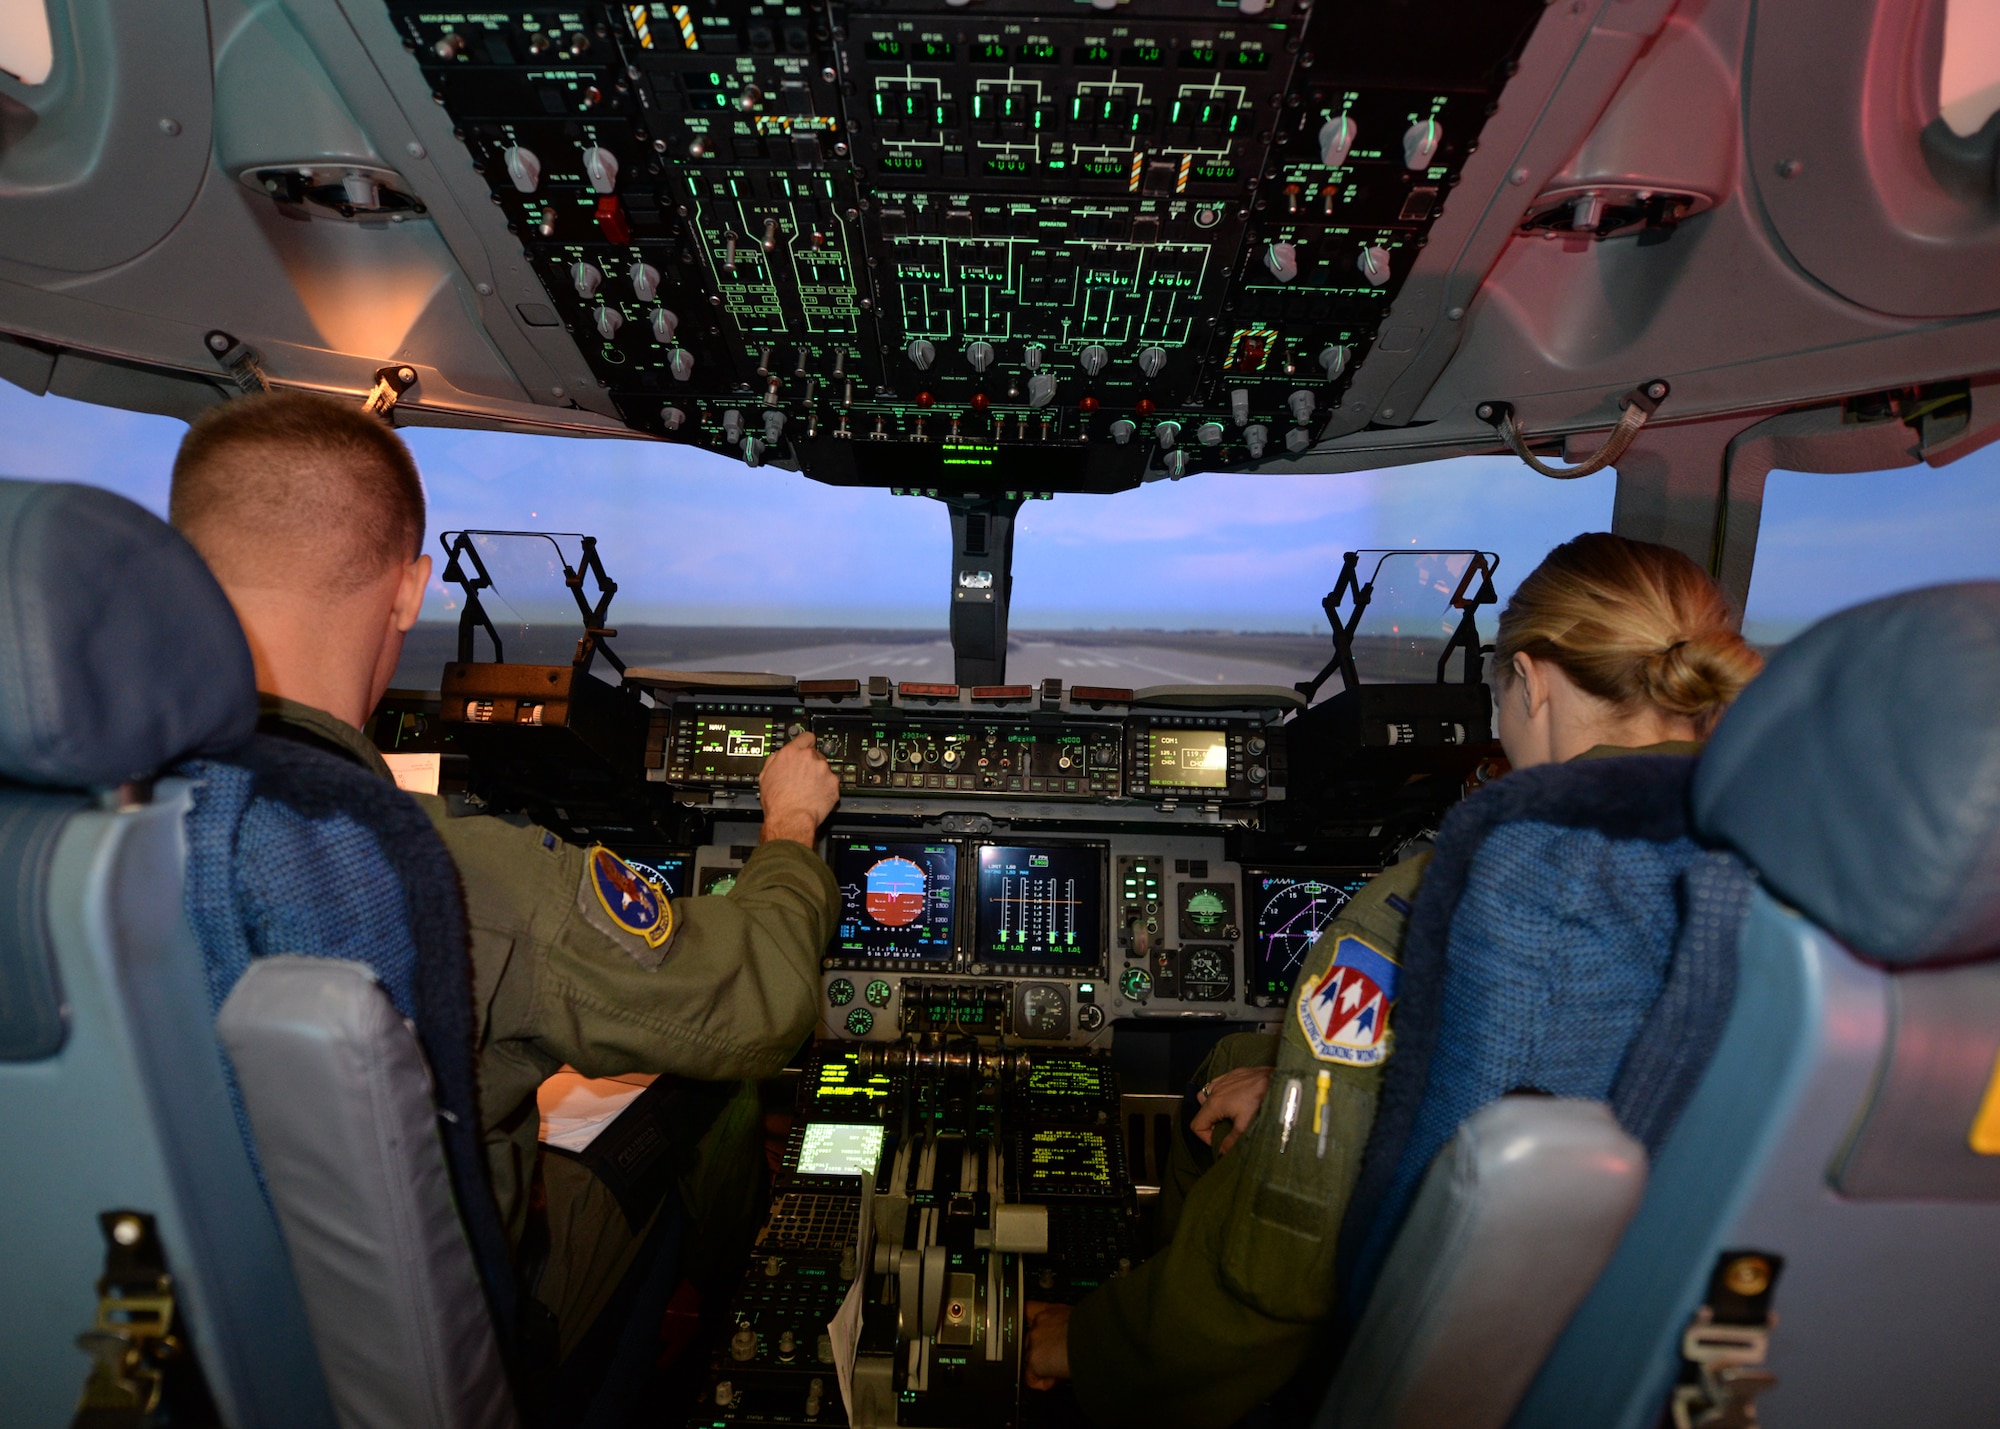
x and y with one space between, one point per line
667 871
1289 910
1067 1161
1041 903
1188 758
897 900
832 1148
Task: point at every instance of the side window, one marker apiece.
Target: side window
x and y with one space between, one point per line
1830 541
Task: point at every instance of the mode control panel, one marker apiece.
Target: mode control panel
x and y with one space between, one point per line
1055 755
863 1008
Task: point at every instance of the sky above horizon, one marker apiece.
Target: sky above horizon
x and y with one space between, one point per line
693 538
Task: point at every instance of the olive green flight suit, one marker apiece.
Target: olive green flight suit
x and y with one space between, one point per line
729 996
1227 1312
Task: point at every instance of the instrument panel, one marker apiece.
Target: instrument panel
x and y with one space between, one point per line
1004 246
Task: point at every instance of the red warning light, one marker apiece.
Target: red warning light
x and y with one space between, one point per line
1087 405
979 401
1145 407
924 399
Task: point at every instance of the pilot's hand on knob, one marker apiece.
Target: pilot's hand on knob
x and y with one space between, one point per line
1232 1097
1047 1359
799 789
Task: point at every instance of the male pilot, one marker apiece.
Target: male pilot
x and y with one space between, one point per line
311 515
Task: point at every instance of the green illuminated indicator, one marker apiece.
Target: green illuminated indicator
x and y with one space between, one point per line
1094 55
1037 54
885 49
991 52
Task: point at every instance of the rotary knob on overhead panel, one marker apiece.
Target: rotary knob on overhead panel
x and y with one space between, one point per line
1374 265
1031 357
753 451
680 362
450 45
979 355
600 166
1092 360
673 418
1297 440
1175 464
1210 434
1302 403
1282 259
732 426
645 280
1336 140
586 277
1167 433
1239 406
1420 143
774 425
1121 431
1255 438
608 320
1153 361
665 323
1334 360
1041 389
523 168
921 355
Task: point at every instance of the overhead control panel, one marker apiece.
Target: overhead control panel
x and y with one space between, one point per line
1002 246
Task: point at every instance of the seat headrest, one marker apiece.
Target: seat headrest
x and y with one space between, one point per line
1860 774
119 653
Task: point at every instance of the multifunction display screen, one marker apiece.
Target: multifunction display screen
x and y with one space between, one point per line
832 1148
897 900
1041 903
665 871
733 745
1188 758
1290 909
1067 1161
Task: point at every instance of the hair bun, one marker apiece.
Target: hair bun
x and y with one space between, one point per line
1700 675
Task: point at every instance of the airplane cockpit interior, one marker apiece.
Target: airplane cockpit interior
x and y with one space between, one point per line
1675 1098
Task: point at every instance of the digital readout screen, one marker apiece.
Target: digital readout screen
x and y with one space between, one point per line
897 900
842 1083
1290 909
1041 903
733 745
1188 758
1066 1079
833 1148
1067 1161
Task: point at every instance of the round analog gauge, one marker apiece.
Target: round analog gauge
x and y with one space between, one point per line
1205 910
1044 1010
1090 1017
1136 984
840 992
1204 965
1290 923
860 1022
878 993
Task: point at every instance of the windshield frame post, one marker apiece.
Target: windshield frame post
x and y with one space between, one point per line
982 584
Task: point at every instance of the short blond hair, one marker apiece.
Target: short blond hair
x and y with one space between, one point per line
290 487
1633 624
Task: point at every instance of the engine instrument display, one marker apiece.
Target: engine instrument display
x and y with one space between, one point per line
1041 904
1188 758
1067 1161
897 900
833 1148
1290 909
667 872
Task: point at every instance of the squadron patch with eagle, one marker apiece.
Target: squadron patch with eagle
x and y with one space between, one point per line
619 899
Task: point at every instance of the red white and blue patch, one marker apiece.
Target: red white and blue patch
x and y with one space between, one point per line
1344 1013
635 904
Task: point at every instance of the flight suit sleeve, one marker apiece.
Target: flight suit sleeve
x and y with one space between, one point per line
717 988
1225 1314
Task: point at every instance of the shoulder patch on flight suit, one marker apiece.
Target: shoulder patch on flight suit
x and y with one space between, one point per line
618 899
1344 1012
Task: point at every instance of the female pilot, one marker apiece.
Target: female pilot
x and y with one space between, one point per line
1609 647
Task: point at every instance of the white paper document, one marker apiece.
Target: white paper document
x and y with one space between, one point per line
575 1108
